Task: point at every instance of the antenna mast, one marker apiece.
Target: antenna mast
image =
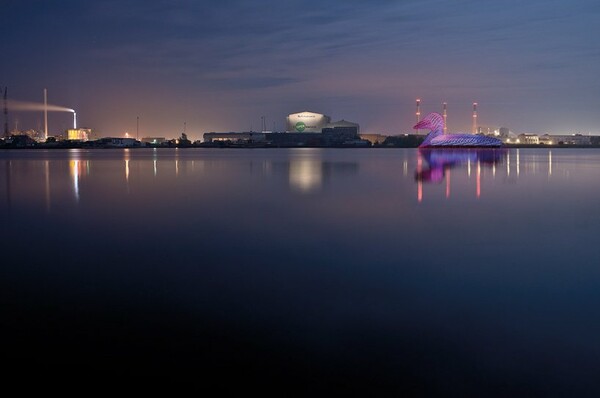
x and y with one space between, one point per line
263 126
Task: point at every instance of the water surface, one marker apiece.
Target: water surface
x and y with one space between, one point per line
385 270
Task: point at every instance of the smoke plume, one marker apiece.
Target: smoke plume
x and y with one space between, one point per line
35 106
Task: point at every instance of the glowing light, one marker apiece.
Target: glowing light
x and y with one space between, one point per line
126 153
478 179
47 169
74 169
305 174
436 137
419 182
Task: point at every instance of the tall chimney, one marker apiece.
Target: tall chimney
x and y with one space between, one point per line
474 118
46 113
418 113
445 114
6 134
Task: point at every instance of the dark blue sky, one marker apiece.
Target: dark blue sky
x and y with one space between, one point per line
219 65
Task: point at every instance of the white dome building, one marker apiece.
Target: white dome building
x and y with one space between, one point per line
307 122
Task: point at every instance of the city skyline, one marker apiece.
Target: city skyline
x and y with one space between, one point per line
221 66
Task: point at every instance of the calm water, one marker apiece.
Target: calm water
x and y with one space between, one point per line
376 270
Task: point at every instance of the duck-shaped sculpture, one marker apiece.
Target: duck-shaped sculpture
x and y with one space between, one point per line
437 138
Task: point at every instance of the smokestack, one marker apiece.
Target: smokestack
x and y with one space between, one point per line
445 114
6 112
46 113
474 118
74 120
418 113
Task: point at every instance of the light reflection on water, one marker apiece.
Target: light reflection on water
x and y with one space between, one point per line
440 260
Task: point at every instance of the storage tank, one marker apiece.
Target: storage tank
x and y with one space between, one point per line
306 122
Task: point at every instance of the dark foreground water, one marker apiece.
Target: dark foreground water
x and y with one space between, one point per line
307 271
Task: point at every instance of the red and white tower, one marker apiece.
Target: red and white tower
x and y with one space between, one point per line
474 130
418 113
445 115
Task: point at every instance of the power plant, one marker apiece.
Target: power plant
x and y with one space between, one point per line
302 129
25 106
59 109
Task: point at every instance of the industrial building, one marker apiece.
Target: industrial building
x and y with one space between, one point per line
573 139
306 122
374 138
79 134
303 129
531 139
117 142
153 140
311 122
547 139
244 137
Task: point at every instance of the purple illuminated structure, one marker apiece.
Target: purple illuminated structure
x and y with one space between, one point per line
437 138
441 161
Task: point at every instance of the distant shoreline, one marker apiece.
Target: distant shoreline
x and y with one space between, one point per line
512 146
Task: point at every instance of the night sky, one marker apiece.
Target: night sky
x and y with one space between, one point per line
532 66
